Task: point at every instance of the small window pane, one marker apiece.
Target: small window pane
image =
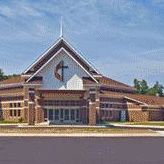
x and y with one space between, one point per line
66 117
18 113
11 105
11 113
50 114
15 113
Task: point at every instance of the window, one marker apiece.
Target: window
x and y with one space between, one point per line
45 113
15 113
106 105
19 104
50 117
66 116
11 113
110 113
77 114
11 105
15 105
72 114
56 114
61 113
18 113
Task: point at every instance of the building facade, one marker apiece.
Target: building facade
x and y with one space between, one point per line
61 87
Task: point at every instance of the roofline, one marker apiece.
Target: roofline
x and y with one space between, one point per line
81 56
53 57
40 57
135 100
119 87
52 46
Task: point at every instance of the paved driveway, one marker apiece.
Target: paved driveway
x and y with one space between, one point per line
48 150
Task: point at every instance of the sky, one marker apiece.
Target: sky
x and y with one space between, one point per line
123 39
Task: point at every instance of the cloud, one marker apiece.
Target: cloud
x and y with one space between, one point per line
117 35
18 9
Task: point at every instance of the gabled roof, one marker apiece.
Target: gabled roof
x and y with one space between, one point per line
110 83
140 98
147 99
61 43
61 50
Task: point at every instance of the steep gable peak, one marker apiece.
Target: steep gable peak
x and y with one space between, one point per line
60 43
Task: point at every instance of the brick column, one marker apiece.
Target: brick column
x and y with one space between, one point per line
97 106
92 113
31 106
25 110
93 105
39 114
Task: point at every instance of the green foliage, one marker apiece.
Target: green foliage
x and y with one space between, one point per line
143 88
20 120
4 77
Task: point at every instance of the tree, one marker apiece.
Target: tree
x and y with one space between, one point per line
141 86
2 75
157 89
144 87
137 85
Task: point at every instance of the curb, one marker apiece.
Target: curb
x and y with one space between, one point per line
136 127
78 135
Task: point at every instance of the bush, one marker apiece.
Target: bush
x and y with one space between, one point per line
20 120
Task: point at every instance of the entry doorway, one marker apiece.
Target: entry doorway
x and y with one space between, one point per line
63 115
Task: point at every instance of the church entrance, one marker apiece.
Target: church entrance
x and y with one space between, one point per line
59 116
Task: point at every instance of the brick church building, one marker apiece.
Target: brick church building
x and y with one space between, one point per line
61 87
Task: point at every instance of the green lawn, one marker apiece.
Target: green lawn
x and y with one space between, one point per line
68 130
8 122
152 123
157 123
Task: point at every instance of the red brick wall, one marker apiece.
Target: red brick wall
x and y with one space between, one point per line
156 115
92 114
138 115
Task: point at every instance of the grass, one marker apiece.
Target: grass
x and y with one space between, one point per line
151 123
157 123
8 122
68 130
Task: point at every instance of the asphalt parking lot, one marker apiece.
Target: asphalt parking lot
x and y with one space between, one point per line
75 150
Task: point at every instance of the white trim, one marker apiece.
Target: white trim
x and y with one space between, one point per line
99 75
91 103
61 107
112 103
29 84
71 47
15 108
11 101
62 49
40 57
12 94
30 102
81 56
112 109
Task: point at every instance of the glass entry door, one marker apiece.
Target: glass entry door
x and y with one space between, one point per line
63 115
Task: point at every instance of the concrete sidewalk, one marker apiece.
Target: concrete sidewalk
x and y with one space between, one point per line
121 125
79 135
